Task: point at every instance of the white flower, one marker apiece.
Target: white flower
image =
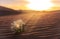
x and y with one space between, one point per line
16 25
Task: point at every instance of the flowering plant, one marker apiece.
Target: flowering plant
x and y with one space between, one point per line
17 26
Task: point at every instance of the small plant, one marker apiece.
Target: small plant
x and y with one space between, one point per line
17 26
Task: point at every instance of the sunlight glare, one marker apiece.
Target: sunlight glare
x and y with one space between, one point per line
39 4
